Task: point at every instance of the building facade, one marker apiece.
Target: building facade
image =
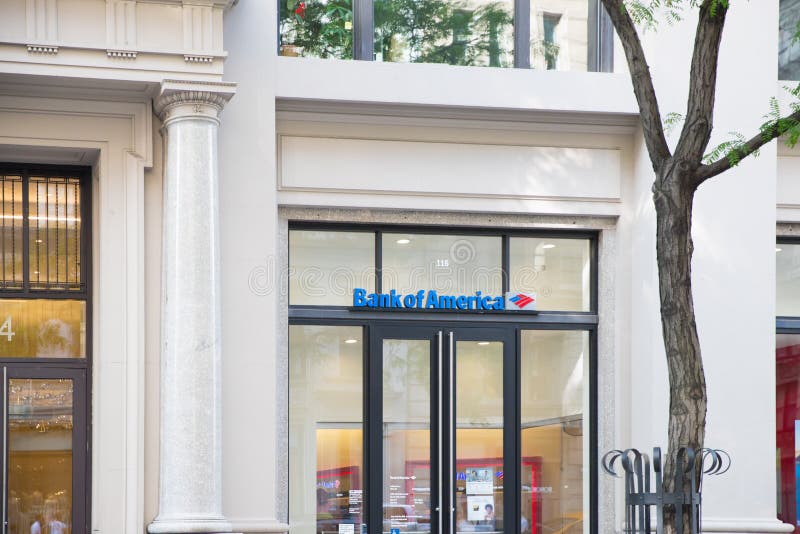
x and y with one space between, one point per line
387 266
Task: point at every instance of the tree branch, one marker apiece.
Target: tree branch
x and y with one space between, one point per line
757 141
699 121
642 82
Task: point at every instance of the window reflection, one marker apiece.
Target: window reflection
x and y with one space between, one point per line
317 28
557 270
470 32
39 328
325 267
553 396
452 265
40 456
788 49
325 429
560 34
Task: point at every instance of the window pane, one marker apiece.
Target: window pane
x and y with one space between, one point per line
560 35
452 265
325 267
787 290
787 353
325 429
406 435
557 270
55 233
553 396
11 230
479 497
317 28
40 454
42 328
456 32
788 50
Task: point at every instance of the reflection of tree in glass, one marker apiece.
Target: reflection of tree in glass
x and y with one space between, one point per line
441 31
317 28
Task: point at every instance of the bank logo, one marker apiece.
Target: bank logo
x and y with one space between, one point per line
520 301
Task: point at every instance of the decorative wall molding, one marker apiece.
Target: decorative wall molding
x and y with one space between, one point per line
42 49
123 54
121 23
191 58
41 17
198 27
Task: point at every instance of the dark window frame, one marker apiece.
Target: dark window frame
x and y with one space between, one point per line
600 34
511 323
77 369
505 234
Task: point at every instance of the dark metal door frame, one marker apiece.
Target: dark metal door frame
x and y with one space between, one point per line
80 434
443 341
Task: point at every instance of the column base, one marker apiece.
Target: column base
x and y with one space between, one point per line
189 526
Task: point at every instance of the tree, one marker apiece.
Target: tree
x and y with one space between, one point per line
678 174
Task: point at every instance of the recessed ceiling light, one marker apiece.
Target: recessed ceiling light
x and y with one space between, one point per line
548 245
403 241
38 240
483 342
778 249
350 341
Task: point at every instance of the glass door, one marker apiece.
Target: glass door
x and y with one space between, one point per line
44 443
442 444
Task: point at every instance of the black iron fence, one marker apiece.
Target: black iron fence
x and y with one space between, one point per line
646 503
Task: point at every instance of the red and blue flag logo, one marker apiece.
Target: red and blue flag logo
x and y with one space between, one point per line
520 301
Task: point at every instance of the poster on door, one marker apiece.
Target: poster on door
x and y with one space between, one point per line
479 481
480 508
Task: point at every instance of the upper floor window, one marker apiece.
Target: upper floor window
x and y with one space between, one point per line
788 49
569 35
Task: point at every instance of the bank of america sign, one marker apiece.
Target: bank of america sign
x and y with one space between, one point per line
431 300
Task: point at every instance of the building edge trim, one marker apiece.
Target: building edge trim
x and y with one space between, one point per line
258 526
745 526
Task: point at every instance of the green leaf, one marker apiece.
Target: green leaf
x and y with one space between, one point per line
671 121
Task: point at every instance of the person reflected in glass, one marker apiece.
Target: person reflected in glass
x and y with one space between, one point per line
36 526
54 524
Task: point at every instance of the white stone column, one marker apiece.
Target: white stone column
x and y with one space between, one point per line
190 490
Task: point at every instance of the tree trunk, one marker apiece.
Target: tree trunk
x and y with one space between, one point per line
673 196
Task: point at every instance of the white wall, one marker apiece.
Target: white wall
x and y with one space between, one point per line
733 276
248 237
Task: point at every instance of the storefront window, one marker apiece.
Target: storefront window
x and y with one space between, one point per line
553 401
452 265
325 429
325 267
557 270
456 32
429 400
787 353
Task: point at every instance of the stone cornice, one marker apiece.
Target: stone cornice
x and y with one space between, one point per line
203 99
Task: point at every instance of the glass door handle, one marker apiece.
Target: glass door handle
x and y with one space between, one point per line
440 415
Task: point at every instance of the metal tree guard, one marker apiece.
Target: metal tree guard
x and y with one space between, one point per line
641 503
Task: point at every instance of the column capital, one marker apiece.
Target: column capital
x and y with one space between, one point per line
185 98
